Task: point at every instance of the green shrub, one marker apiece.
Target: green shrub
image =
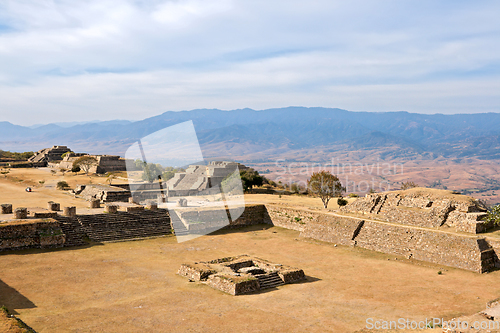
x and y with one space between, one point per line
341 202
494 215
62 185
353 195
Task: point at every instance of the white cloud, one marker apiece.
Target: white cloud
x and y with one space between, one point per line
130 59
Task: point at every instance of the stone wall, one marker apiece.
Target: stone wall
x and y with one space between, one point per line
233 285
290 218
292 275
196 272
104 193
31 234
427 245
333 229
252 214
450 249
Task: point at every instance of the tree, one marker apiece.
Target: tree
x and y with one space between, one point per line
66 154
494 215
151 172
251 178
110 178
85 163
407 185
325 185
169 173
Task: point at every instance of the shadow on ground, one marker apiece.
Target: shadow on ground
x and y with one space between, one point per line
12 299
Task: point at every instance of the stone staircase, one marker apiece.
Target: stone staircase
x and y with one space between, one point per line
271 280
75 235
126 226
179 227
489 259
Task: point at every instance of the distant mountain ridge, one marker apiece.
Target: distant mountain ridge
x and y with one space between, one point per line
246 133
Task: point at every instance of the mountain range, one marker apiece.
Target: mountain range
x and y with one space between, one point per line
292 133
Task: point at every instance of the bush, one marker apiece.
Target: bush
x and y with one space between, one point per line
75 168
407 185
341 202
62 185
494 215
353 195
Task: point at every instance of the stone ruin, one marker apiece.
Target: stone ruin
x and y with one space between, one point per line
241 274
198 178
46 155
104 164
103 193
429 225
423 207
52 157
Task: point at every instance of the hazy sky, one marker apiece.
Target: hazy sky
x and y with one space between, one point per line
83 60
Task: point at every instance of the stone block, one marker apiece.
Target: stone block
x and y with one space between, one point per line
21 213
110 208
152 206
69 211
131 209
95 203
6 208
53 206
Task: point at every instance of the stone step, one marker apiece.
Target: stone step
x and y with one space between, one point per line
270 281
115 227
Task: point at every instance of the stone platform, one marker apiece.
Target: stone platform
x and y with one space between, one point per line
241 274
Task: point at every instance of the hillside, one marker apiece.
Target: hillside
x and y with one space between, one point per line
458 151
246 131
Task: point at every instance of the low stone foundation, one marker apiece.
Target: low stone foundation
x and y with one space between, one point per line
241 274
236 285
31 234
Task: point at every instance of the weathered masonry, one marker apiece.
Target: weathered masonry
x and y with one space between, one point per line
432 227
241 274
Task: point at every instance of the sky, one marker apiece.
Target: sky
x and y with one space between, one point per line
69 60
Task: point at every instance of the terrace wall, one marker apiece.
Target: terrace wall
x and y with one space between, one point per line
31 234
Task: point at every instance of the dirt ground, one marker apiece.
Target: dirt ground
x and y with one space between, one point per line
133 286
13 185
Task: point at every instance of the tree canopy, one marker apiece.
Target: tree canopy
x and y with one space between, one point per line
325 185
251 178
16 156
85 163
